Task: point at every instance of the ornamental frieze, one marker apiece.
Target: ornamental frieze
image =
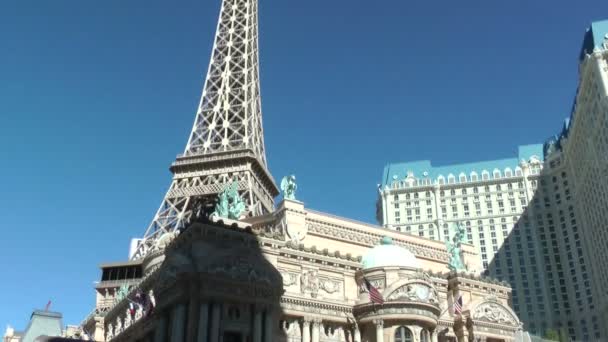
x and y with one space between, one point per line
494 313
329 286
369 239
289 278
417 292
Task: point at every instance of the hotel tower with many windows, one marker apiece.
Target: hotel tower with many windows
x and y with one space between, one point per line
538 221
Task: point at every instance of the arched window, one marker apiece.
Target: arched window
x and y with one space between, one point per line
441 180
403 334
474 176
451 179
485 175
496 173
462 177
424 336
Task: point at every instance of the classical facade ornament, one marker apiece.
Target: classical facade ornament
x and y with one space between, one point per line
289 278
230 204
494 313
289 187
454 248
309 282
415 292
240 268
164 240
329 286
295 233
122 292
175 264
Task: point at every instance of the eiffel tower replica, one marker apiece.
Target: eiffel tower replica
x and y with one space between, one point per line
227 141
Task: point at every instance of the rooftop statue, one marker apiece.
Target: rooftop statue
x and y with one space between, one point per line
122 292
289 187
454 248
230 204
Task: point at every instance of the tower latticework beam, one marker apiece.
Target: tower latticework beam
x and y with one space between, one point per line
227 140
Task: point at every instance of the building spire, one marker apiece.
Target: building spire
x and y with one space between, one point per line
229 114
226 145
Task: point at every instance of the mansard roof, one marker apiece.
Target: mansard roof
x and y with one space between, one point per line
424 168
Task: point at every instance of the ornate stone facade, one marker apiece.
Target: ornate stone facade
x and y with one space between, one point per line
241 281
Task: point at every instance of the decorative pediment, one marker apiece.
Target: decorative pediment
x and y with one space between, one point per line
494 312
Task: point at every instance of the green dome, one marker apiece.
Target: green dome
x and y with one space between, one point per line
388 254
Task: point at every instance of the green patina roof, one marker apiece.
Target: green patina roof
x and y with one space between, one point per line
389 254
424 169
42 323
595 37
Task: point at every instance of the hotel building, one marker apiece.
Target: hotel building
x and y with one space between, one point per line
539 220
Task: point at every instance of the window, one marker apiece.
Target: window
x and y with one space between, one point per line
403 334
424 336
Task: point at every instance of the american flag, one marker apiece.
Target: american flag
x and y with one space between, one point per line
374 295
458 306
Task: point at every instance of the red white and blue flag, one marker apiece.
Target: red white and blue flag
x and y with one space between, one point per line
142 300
374 295
458 305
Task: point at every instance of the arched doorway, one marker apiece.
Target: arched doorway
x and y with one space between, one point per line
403 334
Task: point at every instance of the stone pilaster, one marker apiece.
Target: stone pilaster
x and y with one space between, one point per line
178 323
379 330
160 334
216 312
257 325
306 329
203 326
316 327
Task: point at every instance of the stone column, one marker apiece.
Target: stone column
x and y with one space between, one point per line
379 330
203 323
357 335
269 326
192 318
434 335
216 311
98 333
257 325
160 333
178 323
316 325
306 329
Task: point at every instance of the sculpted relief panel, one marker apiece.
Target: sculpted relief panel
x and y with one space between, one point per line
415 292
494 313
309 283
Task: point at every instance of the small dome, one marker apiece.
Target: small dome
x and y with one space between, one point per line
388 254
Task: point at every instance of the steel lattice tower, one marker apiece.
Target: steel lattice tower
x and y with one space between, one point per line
227 140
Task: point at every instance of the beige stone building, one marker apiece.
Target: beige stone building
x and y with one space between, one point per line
295 275
284 272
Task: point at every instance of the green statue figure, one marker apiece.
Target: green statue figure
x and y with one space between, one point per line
122 292
289 187
454 248
230 204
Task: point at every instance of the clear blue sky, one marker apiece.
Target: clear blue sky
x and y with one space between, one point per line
97 98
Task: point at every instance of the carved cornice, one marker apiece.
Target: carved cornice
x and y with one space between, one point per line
315 306
354 235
